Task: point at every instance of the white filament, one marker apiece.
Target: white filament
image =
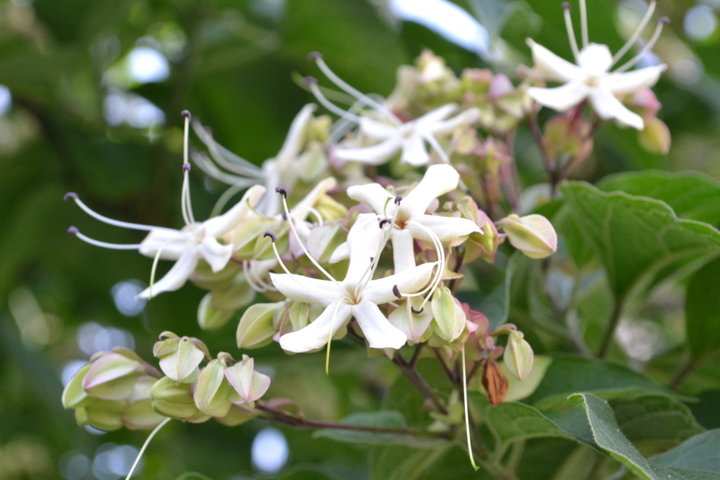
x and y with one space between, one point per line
631 41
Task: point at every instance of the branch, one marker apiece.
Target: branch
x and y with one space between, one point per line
420 383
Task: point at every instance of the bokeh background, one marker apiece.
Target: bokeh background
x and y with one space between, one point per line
90 101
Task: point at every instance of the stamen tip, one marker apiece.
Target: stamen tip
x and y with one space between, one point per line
73 230
398 199
186 114
384 221
281 191
314 56
396 291
310 81
566 5
419 311
70 196
664 20
271 236
186 167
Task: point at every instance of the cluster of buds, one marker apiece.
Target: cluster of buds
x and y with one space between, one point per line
117 388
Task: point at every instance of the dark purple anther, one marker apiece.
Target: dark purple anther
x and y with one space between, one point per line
314 56
384 221
566 5
73 230
396 291
397 200
186 167
70 196
270 235
310 81
416 312
281 191
186 114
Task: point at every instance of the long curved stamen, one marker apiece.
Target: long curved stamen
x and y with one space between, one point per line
317 58
185 203
317 215
634 37
322 99
116 223
145 445
255 282
440 251
153 271
224 157
210 169
570 30
279 259
648 46
291 222
583 23
113 246
467 411
329 340
225 198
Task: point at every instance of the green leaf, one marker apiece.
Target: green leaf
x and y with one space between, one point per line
691 195
655 418
702 310
607 436
403 463
636 237
379 419
568 375
696 458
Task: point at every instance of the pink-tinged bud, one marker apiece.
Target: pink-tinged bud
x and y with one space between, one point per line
449 318
180 357
112 375
655 137
518 355
495 382
248 384
647 102
212 392
476 322
568 134
533 235
257 326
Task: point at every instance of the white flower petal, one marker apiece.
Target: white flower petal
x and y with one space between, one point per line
554 67
630 82
295 137
377 130
414 151
365 242
373 155
305 289
409 281
214 253
320 331
448 229
170 243
446 126
176 276
438 180
302 209
560 98
608 107
403 250
595 59
374 196
220 225
378 330
434 116
342 252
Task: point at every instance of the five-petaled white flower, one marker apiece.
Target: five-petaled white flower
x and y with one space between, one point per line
591 78
409 138
357 295
407 214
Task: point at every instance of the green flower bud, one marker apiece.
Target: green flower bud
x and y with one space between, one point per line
655 137
74 395
257 327
139 413
175 400
248 384
210 318
180 356
112 375
533 235
518 356
104 415
236 415
212 391
449 318
414 325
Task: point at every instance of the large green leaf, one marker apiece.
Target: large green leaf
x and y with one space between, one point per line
636 237
702 310
690 194
403 463
696 458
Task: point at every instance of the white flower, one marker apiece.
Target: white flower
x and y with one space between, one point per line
357 295
591 78
409 138
407 214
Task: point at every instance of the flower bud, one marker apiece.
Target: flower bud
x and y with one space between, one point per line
180 356
449 318
139 413
568 134
495 382
175 400
257 327
73 395
655 137
414 325
212 391
518 355
236 415
112 375
533 235
210 318
248 384
105 415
